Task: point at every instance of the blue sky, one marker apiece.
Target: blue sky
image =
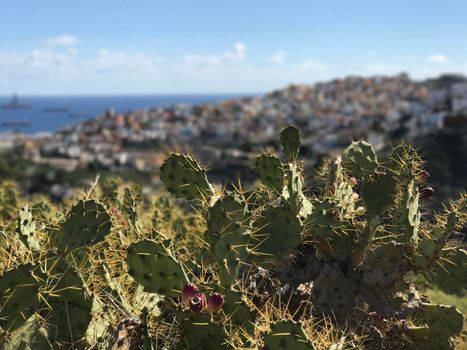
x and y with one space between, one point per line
201 46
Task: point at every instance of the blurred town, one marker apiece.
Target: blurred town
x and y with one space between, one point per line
227 136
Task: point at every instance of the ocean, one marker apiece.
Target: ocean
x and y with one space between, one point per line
51 113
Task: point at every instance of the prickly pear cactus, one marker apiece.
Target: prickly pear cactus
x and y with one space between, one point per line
184 178
70 312
360 159
87 223
290 139
450 276
27 229
19 295
238 311
199 332
378 193
215 273
151 265
278 232
30 336
286 335
334 293
443 323
270 171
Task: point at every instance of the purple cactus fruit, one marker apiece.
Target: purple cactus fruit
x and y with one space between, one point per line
427 192
188 292
424 175
198 302
215 302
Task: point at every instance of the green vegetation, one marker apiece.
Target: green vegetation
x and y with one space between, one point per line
269 267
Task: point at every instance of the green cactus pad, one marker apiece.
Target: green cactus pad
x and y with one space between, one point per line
30 336
226 216
444 322
332 238
360 159
278 232
406 220
345 199
229 251
290 140
200 333
232 246
26 229
70 314
302 268
87 223
185 178
286 335
334 293
451 276
378 193
294 197
384 265
19 296
237 311
429 249
151 265
228 271
129 206
270 171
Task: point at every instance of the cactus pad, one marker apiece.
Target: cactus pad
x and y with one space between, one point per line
360 159
200 333
19 299
185 178
226 216
270 171
384 265
278 232
26 229
333 292
451 277
407 216
378 193
290 140
444 322
229 251
238 311
87 223
286 335
151 265
70 314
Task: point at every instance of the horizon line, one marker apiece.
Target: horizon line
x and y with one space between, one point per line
362 76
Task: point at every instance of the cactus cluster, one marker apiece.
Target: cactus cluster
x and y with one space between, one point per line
45 301
266 267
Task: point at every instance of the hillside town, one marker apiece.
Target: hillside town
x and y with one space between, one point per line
229 134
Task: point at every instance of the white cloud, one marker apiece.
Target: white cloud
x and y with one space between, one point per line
58 66
122 63
383 69
62 40
40 63
278 57
439 58
313 65
237 55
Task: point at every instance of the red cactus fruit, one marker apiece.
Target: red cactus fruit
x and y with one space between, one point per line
424 175
427 192
188 292
198 302
215 302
